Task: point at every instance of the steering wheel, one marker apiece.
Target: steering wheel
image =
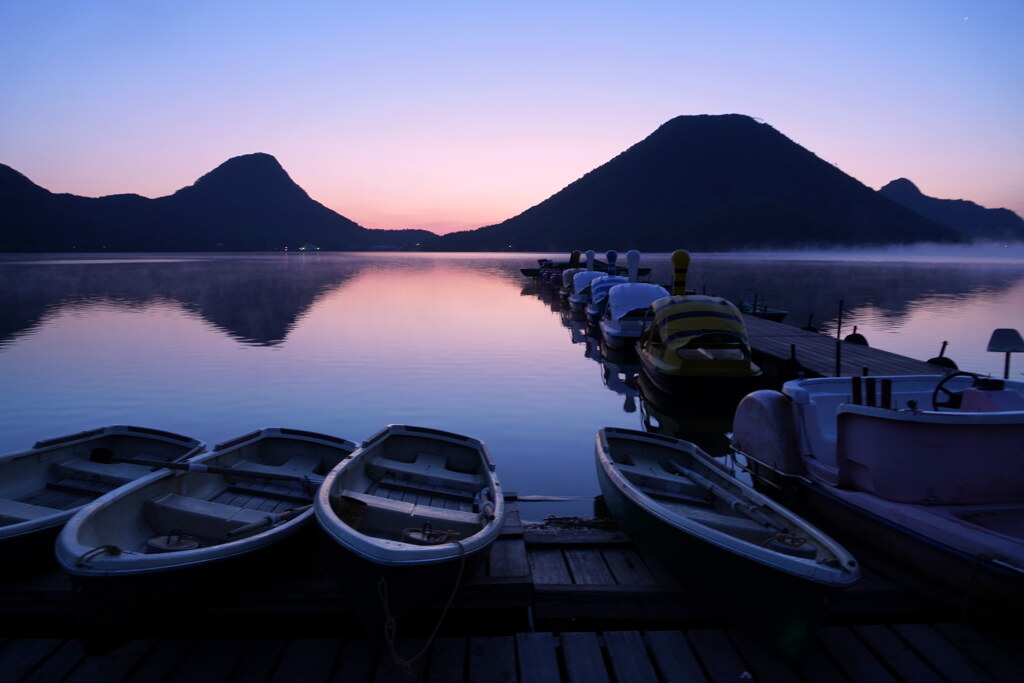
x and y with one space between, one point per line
953 398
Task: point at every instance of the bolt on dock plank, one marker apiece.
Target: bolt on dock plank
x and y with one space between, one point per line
774 344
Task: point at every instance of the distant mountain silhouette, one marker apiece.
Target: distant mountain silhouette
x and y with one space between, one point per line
960 214
707 183
248 203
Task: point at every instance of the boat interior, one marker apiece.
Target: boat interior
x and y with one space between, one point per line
661 473
413 491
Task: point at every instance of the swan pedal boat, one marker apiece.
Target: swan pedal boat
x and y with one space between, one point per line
759 562
413 512
43 487
926 473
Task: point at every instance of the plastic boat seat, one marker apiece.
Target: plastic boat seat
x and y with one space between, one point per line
197 517
15 511
429 468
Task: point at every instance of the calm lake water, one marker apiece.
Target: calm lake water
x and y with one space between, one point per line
214 346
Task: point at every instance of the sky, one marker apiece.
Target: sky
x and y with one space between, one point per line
454 115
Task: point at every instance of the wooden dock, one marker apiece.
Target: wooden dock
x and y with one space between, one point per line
552 604
784 350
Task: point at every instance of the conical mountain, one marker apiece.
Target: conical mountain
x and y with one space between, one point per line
707 183
248 203
960 214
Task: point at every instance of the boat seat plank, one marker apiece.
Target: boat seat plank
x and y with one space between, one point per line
117 473
197 517
297 465
89 487
429 468
14 511
438 490
414 509
61 500
675 496
271 490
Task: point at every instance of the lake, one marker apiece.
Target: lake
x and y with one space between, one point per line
214 346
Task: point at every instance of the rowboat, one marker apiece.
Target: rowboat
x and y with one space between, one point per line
923 473
42 487
196 528
766 568
411 513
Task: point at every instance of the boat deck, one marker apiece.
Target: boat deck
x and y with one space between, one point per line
553 603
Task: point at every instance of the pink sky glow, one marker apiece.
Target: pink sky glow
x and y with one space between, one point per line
454 115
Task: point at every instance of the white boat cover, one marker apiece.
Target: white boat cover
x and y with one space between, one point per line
567 275
629 296
600 286
581 281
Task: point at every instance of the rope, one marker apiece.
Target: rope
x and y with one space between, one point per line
391 621
83 559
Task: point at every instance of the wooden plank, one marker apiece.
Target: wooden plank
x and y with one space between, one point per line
447 661
674 658
548 567
763 664
357 661
583 661
587 566
212 659
307 659
538 661
983 652
117 665
407 662
492 659
628 568
896 654
508 558
159 663
814 665
565 537
629 658
858 661
719 656
59 664
258 660
23 655
938 652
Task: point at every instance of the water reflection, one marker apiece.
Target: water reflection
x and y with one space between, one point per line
253 299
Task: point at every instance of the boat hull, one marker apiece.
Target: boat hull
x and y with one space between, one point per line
974 585
777 608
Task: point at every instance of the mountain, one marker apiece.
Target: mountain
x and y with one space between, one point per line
248 203
707 183
963 215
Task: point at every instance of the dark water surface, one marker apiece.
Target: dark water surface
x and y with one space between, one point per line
213 346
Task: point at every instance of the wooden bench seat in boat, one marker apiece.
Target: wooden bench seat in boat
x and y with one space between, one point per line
651 478
15 511
414 510
197 517
427 468
297 465
114 473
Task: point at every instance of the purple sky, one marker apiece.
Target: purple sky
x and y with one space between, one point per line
453 115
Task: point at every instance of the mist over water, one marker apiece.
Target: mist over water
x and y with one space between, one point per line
214 346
